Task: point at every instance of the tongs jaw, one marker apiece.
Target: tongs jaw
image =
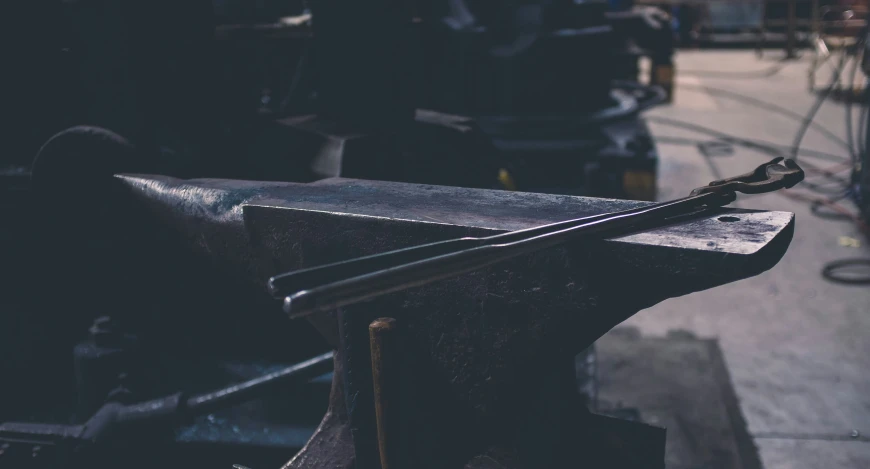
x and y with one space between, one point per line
768 177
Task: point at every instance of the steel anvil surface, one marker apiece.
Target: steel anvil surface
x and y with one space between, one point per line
486 348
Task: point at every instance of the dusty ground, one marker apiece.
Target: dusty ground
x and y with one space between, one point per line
797 346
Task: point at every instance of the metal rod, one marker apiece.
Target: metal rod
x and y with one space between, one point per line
242 392
404 268
282 285
385 350
421 272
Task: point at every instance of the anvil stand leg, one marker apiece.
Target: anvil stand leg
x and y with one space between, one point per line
331 445
556 429
347 435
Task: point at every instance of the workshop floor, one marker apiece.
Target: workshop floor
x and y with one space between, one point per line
797 346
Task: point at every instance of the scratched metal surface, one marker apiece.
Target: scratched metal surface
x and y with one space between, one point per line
498 210
259 229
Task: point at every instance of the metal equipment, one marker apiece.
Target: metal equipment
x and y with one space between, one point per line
543 123
487 368
451 92
837 31
159 285
336 285
320 290
118 427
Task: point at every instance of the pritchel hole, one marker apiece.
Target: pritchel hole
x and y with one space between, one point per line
728 219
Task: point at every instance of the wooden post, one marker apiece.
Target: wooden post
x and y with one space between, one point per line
662 74
383 335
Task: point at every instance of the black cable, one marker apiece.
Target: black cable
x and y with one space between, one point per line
833 177
758 145
634 99
853 147
811 114
766 73
837 271
815 209
784 148
806 122
727 149
864 134
833 271
767 148
844 188
841 271
768 107
862 126
832 192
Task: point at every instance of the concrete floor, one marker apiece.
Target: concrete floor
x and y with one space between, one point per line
796 345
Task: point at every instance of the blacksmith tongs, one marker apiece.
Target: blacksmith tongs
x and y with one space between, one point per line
330 286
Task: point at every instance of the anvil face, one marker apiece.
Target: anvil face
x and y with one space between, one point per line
273 227
483 339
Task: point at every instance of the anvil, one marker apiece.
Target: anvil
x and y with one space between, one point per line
487 357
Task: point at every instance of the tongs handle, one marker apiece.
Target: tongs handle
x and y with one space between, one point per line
343 283
394 278
291 282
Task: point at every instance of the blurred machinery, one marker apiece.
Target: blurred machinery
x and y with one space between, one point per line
531 96
519 96
840 43
188 360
